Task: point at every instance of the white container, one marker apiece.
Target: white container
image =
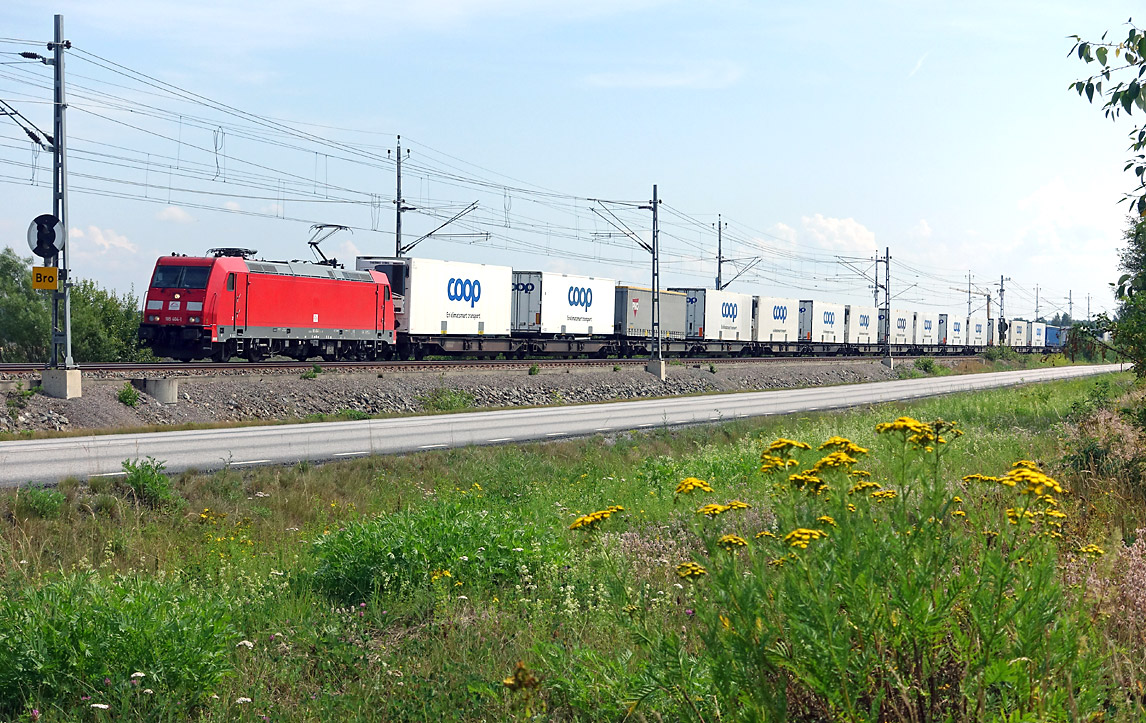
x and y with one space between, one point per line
717 315
775 319
446 297
927 327
1036 334
956 330
550 303
902 327
821 322
862 325
1017 332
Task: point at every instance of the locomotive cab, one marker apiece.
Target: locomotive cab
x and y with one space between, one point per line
179 309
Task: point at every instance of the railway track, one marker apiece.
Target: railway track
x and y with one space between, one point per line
449 364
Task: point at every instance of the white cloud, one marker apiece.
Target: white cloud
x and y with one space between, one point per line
704 75
99 242
838 234
785 232
347 250
920 231
918 65
175 215
232 206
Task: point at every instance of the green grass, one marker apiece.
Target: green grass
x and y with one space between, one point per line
336 573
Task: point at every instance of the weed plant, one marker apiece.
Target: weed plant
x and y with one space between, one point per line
322 593
148 485
39 501
444 399
128 395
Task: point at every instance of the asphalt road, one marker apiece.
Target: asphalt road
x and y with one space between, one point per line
50 460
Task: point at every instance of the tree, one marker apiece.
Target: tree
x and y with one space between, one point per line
1122 67
105 325
25 316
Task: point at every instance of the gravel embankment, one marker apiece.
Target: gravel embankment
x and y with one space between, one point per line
235 397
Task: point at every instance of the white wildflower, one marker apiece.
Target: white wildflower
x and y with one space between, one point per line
149 691
245 644
101 706
137 674
242 701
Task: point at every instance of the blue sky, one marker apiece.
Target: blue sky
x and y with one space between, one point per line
944 131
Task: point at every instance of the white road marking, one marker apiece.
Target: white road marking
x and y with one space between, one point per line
109 474
642 426
251 461
603 429
431 446
348 454
500 439
555 434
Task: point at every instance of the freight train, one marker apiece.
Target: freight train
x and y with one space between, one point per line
227 304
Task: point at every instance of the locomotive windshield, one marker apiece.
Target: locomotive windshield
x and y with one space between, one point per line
181 277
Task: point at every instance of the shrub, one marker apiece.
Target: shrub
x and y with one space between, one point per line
443 399
352 414
128 395
39 501
534 370
81 635
311 373
442 542
147 482
888 600
925 364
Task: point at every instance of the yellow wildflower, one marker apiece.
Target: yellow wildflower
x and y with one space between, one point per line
980 478
731 542
738 505
835 460
783 446
884 494
801 536
859 473
864 486
590 520
1092 550
778 562
725 622
958 513
851 507
689 484
1026 463
844 445
690 569
809 481
827 520
764 533
714 509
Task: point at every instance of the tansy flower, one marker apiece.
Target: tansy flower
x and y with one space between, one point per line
808 480
1092 550
783 446
690 569
844 445
827 520
764 533
979 478
835 460
884 494
863 486
958 513
731 542
590 520
689 484
714 509
801 536
738 505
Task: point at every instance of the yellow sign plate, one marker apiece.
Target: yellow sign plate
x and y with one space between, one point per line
45 277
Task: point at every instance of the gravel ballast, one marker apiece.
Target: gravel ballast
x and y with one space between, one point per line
246 397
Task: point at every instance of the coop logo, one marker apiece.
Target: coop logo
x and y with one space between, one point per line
978 328
464 290
956 326
830 318
580 297
865 321
927 324
692 299
780 313
901 323
527 286
728 311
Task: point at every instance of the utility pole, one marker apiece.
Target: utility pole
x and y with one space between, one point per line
969 297
1070 305
400 206
887 298
656 359
1002 314
1036 302
1088 308
719 253
60 204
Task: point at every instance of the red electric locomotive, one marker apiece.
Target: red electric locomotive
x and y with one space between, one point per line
224 305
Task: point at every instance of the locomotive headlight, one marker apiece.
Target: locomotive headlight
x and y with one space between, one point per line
193 319
177 296
152 317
